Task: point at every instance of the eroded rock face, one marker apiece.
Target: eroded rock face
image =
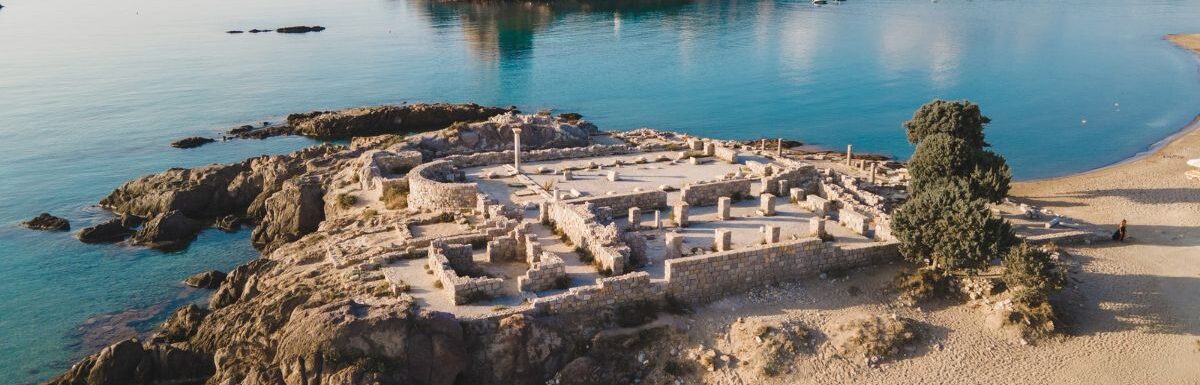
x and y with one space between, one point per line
169 231
368 121
291 213
206 280
45 221
129 363
524 351
107 232
181 325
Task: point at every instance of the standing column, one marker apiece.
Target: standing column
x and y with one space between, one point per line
517 149
723 208
779 147
657 219
722 240
674 245
766 206
635 218
873 170
681 214
849 153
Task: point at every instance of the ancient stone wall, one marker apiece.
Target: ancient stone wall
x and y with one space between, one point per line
443 260
607 292
855 221
506 156
707 193
726 154
578 223
620 203
803 177
431 186
545 274
708 277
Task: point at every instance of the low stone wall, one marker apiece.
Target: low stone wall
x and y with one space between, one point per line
378 164
578 223
430 187
502 157
607 292
545 274
707 193
803 177
819 206
620 203
443 260
1067 237
708 277
855 221
726 154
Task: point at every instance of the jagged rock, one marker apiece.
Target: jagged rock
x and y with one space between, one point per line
240 129
191 142
107 232
206 280
132 221
181 325
45 221
130 363
199 193
524 350
291 213
237 283
300 29
170 231
367 121
228 223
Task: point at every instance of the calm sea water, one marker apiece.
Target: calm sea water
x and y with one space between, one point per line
92 92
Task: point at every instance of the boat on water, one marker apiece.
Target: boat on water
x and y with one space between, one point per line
820 2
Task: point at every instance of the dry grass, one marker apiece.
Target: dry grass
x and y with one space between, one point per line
874 337
395 196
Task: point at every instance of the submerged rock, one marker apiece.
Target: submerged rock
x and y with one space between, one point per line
300 29
170 231
366 121
235 31
130 363
206 280
192 142
107 232
45 221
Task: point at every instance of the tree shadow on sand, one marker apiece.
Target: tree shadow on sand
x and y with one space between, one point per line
1096 303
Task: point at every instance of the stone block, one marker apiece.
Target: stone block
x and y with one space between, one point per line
772 233
674 245
681 214
612 176
635 218
723 204
816 226
722 239
766 205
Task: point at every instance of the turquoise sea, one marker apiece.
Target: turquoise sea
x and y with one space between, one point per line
91 93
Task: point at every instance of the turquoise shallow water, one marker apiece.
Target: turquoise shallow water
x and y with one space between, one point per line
92 92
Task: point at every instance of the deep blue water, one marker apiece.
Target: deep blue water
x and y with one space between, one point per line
92 92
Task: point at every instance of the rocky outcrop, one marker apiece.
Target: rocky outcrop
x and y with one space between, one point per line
229 223
496 134
524 351
130 363
45 221
107 232
181 325
207 280
237 282
290 214
367 121
170 231
198 193
192 142
300 29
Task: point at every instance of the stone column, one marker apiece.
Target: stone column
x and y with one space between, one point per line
567 175
681 214
874 169
796 194
784 184
657 219
517 148
723 208
722 240
635 217
710 149
772 234
674 245
816 226
543 212
849 153
612 176
533 250
766 205
779 147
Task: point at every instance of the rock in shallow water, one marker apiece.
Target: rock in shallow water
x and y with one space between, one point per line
300 29
45 221
206 280
128 362
170 231
107 232
192 142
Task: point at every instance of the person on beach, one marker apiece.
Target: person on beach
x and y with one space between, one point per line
1121 231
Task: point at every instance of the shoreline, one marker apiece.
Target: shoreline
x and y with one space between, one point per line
1154 149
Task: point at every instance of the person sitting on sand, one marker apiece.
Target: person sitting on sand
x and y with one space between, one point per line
1121 231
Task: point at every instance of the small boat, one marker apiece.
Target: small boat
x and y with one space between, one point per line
820 2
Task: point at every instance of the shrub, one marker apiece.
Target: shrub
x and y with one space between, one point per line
345 200
676 306
369 213
923 283
636 314
584 254
1031 274
438 284
395 196
562 282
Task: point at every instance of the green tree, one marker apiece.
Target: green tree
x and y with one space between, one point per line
951 228
941 159
961 120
